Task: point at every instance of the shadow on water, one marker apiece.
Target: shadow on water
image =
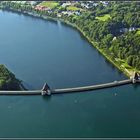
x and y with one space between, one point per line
136 86
46 98
31 16
109 64
27 85
113 67
75 29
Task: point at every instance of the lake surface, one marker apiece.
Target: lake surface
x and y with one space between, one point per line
39 51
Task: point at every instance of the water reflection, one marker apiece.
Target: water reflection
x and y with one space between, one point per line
46 98
136 86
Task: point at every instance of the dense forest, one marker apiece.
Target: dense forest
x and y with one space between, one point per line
125 46
114 29
8 80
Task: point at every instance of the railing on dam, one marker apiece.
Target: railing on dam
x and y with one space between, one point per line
47 91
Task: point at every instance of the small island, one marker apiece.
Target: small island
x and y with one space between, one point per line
8 81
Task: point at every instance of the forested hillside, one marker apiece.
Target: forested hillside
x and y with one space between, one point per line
8 80
108 32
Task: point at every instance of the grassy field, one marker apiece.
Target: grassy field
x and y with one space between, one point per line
104 17
126 67
122 62
50 4
138 32
72 8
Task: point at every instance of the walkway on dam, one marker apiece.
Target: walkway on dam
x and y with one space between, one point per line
47 91
92 87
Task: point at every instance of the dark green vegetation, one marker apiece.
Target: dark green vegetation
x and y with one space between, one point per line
8 80
105 31
112 29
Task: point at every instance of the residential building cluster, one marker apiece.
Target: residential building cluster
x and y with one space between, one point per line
80 6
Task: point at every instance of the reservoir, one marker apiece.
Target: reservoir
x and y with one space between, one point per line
39 51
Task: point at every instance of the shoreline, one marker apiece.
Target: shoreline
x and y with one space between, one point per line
94 44
125 71
10 81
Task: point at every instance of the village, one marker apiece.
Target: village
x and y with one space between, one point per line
67 8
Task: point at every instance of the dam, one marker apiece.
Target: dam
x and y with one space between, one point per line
46 90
